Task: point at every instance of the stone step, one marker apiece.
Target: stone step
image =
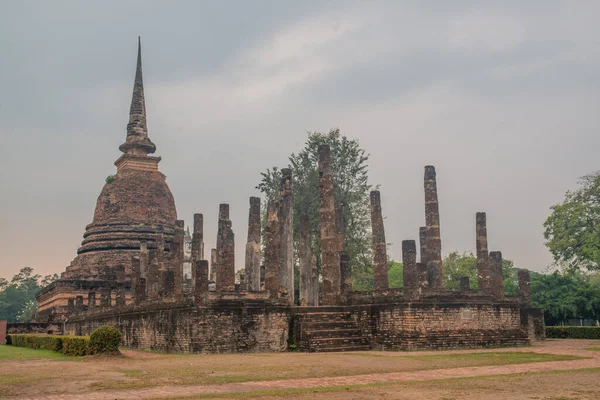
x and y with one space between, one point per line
327 325
340 349
337 342
326 316
329 333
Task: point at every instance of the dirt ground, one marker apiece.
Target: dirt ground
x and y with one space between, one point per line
394 375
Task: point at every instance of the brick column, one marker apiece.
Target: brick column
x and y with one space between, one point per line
252 265
144 260
272 255
380 267
432 222
70 305
330 256
91 300
306 263
177 258
525 288
140 290
197 242
201 282
121 296
286 244
79 303
213 265
105 298
422 277
225 251
346 275
423 244
410 274
496 278
483 260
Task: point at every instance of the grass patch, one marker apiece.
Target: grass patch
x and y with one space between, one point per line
357 388
592 349
134 373
496 358
23 353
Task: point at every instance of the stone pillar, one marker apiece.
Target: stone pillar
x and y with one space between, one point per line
422 277
524 288
70 305
423 244
483 261
91 300
432 223
496 278
197 240
346 275
201 282
144 260
177 258
286 244
213 265
410 275
140 290
380 267
252 265
225 252
305 261
272 258
79 303
105 298
167 283
465 285
121 296
330 256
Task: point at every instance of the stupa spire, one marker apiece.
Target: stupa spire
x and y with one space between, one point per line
137 132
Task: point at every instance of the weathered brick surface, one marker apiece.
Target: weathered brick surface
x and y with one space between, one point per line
286 232
330 256
307 265
253 246
380 266
432 222
483 260
184 328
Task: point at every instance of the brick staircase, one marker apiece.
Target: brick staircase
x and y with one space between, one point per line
325 331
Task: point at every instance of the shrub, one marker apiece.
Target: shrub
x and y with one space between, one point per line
8 339
573 332
68 345
75 345
110 179
105 339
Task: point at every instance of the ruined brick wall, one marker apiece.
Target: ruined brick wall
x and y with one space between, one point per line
34 327
183 328
439 326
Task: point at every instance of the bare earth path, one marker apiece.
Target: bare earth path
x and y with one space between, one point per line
548 347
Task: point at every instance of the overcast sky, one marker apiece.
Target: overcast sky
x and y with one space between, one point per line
502 97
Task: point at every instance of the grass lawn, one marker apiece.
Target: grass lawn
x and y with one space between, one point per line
24 353
550 385
592 349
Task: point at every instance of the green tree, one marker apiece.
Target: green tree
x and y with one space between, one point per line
572 230
566 295
457 265
350 177
395 272
17 297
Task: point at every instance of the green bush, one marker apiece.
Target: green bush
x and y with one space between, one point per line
68 345
105 339
573 332
8 340
75 345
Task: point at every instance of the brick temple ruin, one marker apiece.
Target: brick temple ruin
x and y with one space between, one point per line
130 272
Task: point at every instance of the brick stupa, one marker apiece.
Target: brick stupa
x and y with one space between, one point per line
135 209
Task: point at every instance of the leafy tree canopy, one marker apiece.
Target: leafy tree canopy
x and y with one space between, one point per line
572 230
17 297
350 177
457 265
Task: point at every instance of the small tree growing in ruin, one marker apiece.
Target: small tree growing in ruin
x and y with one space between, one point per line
350 176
